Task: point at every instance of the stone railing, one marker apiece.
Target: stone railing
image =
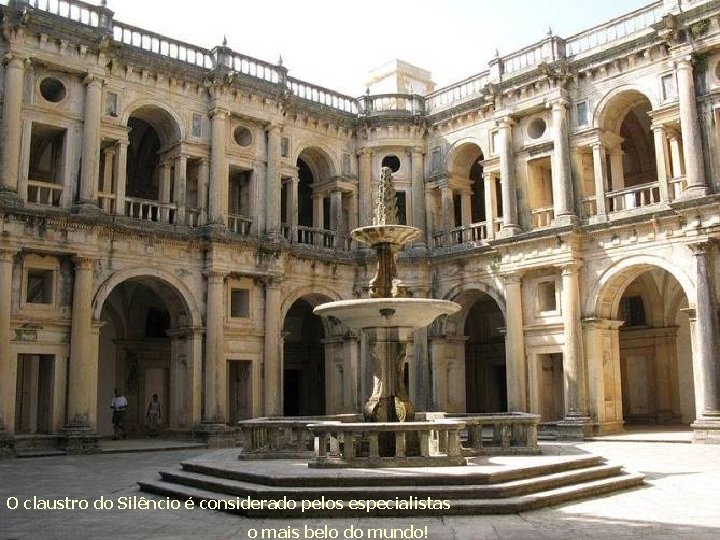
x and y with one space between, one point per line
633 197
322 96
106 201
475 232
542 217
44 193
283 437
75 10
588 205
194 217
159 212
676 186
239 224
456 93
548 50
500 433
361 444
155 43
626 26
397 103
315 236
253 67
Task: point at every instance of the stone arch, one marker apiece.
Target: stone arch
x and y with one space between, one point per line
604 298
613 107
319 158
461 155
160 116
456 293
154 278
315 295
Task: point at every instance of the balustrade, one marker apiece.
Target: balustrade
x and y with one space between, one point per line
159 212
588 205
633 197
676 186
321 95
507 433
75 10
542 217
44 193
402 103
106 201
239 224
155 43
456 93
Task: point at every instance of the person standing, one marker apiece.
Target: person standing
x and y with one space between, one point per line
153 415
118 405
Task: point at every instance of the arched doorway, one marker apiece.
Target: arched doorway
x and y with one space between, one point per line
640 354
147 347
303 360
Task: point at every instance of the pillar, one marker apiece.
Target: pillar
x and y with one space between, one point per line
318 201
179 188
106 183
336 216
418 194
11 123
83 369
8 358
617 173
511 224
660 139
292 206
563 204
120 176
448 211
690 126
91 140
215 364
705 353
273 352
576 419
164 187
678 164
273 183
465 208
515 344
600 174
218 168
365 187
490 197
202 194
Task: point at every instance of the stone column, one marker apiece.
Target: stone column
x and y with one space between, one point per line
106 182
690 126
466 208
12 123
318 201
179 188
8 359
678 164
336 217
83 369
489 187
215 364
164 186
511 224
515 344
617 173
418 195
705 353
448 211
203 184
218 203
273 352
576 423
660 139
292 206
273 183
365 187
562 184
600 170
120 176
91 140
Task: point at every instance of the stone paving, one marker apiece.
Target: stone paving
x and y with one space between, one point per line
681 501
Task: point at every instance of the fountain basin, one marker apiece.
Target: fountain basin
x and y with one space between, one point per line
387 312
398 235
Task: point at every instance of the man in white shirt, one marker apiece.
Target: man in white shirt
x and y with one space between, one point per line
118 405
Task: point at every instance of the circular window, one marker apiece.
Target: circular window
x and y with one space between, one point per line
52 89
393 162
536 128
242 136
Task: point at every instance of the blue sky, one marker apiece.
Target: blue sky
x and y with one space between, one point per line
336 43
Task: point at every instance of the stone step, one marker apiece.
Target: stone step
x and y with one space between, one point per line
369 491
39 453
506 505
380 477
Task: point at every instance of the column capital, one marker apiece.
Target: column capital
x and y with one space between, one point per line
364 152
703 247
658 127
273 128
513 277
571 268
83 262
92 79
412 150
215 276
14 61
7 254
219 112
684 62
505 122
558 104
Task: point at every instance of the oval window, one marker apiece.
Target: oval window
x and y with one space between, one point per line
242 136
393 162
536 128
52 90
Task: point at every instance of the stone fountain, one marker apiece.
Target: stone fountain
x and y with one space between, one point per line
389 315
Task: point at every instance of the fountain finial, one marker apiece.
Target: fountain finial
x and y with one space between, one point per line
386 205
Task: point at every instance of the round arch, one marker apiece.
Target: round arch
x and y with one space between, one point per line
166 122
481 287
183 295
612 108
315 295
462 154
603 300
318 158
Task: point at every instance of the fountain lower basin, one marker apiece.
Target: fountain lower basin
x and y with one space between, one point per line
387 312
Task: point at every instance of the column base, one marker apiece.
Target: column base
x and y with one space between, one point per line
10 198
598 218
566 220
77 440
7 445
691 192
216 435
706 429
574 427
509 230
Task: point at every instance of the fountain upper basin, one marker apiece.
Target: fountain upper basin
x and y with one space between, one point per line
387 312
386 234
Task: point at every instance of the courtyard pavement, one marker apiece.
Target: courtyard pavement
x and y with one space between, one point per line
681 501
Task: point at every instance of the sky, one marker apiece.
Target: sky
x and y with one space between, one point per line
337 43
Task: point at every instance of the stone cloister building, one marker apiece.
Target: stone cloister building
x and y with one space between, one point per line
170 215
